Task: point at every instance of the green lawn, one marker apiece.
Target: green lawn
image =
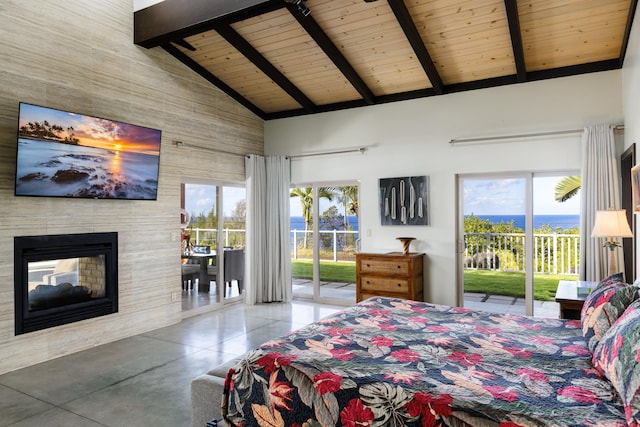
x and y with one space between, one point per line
480 281
330 271
512 284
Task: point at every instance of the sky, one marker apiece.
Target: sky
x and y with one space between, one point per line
506 197
481 197
200 198
96 132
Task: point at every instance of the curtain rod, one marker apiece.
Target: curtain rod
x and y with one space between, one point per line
181 144
360 150
524 135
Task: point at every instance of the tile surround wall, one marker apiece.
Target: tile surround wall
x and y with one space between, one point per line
78 55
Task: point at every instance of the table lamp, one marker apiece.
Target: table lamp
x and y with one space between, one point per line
611 224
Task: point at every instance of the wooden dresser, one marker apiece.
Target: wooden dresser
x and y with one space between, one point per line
392 275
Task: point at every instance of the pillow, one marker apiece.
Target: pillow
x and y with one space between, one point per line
603 307
617 357
617 277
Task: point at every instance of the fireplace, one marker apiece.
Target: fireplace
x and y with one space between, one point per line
64 278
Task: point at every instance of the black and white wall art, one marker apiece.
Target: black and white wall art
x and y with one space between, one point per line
404 201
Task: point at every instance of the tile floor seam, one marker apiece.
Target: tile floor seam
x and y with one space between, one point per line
62 409
51 407
198 348
120 381
28 395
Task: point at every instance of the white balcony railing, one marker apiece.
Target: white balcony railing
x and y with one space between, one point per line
333 243
553 253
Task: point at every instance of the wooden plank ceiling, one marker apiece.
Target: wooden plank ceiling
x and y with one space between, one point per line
282 58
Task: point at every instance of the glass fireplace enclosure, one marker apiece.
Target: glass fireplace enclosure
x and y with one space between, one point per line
61 279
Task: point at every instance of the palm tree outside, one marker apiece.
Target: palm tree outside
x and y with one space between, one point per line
348 198
306 201
567 187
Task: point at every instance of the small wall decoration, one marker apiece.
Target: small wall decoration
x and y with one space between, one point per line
403 201
635 187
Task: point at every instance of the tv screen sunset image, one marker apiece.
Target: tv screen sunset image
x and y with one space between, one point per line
63 154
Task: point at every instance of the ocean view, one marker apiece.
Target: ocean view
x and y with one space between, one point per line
565 222
297 223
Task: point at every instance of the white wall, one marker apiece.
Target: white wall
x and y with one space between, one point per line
412 138
141 4
631 87
631 99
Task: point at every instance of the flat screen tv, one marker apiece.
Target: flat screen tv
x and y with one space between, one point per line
64 154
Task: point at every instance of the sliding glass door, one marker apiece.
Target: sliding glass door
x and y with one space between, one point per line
212 245
324 238
516 241
233 240
495 242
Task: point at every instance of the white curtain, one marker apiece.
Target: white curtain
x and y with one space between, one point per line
268 258
600 191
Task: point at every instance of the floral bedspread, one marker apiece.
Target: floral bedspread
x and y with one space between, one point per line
393 362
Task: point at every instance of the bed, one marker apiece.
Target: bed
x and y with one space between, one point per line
394 362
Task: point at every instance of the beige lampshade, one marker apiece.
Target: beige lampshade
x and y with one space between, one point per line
611 223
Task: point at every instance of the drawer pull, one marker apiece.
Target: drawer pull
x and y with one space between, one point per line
399 285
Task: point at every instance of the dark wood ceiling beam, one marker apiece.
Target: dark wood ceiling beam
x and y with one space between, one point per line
329 48
513 18
185 44
207 75
627 31
413 36
245 48
592 67
573 70
170 20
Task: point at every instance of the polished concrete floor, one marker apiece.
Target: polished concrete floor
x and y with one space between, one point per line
143 380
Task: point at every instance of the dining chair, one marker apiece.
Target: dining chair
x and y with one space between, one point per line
190 272
233 265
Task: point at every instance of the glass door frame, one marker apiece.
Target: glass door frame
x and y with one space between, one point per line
220 299
528 246
315 211
221 241
529 177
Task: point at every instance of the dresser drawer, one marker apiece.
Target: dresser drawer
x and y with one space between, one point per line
384 284
381 266
394 275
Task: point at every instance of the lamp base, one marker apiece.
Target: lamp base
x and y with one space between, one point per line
613 261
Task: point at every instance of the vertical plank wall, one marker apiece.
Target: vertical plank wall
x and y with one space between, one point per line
78 55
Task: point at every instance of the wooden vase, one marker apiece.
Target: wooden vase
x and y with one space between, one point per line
406 242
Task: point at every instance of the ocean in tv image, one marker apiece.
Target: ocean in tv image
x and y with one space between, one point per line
62 154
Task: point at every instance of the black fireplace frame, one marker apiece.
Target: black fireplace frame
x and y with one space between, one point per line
41 248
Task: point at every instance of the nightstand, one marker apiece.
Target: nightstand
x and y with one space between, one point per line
571 295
